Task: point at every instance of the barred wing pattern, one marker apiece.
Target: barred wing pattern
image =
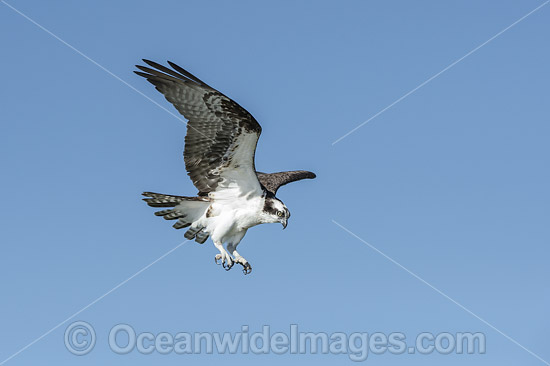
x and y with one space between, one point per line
221 135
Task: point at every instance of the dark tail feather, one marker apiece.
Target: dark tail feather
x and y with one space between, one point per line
201 237
181 224
172 214
190 234
185 209
163 200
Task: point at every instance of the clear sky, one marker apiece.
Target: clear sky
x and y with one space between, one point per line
451 182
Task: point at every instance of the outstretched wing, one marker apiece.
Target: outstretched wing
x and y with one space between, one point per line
272 181
221 135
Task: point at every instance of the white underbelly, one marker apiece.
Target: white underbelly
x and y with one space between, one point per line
229 224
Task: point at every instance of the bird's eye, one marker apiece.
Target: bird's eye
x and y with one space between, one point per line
279 213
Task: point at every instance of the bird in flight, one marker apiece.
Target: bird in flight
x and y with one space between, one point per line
219 158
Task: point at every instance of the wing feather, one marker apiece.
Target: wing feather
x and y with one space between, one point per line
273 181
221 135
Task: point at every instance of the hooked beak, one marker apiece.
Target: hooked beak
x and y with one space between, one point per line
284 222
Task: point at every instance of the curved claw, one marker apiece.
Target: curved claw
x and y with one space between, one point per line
247 268
225 260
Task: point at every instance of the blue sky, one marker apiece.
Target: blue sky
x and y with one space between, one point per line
451 182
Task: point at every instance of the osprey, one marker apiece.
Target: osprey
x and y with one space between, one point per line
219 158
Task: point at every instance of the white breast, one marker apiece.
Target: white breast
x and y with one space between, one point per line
229 218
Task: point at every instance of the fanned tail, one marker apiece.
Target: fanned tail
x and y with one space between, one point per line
186 210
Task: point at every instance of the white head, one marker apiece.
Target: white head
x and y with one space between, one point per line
274 211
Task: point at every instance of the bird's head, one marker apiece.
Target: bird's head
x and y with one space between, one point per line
275 211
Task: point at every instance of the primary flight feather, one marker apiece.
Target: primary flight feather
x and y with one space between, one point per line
219 158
